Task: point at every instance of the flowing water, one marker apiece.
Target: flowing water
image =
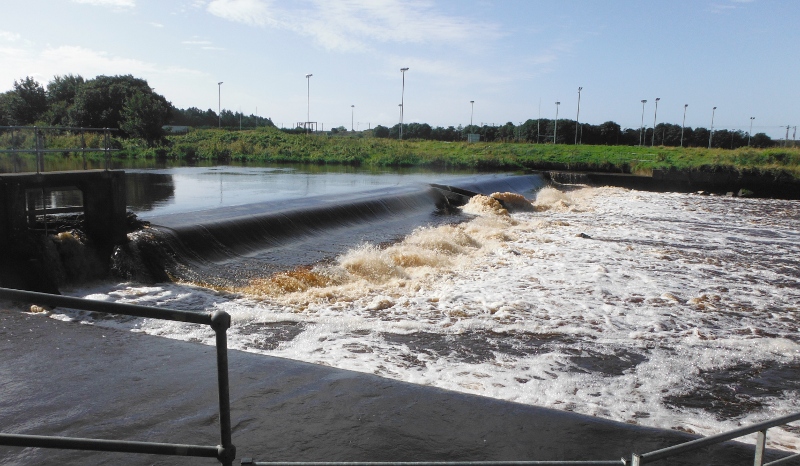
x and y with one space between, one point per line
668 310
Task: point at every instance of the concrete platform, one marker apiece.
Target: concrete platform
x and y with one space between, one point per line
70 379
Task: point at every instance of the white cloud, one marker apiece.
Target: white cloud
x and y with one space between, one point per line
109 3
9 36
51 61
156 25
351 25
252 12
202 44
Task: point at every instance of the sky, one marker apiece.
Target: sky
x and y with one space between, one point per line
514 59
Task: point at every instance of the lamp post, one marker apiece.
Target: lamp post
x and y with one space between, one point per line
402 96
401 115
219 104
352 111
750 134
555 131
685 106
641 129
653 139
471 112
577 117
711 133
308 105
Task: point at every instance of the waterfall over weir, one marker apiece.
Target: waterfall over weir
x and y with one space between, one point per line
233 244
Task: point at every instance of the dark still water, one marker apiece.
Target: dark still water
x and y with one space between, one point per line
154 192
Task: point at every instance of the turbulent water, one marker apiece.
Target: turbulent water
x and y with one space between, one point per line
668 310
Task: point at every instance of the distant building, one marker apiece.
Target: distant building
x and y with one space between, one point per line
176 129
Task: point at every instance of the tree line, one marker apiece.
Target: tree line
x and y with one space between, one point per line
132 106
609 133
123 102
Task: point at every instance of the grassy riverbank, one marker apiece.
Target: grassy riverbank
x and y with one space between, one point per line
269 145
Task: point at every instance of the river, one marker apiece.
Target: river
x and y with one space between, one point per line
677 311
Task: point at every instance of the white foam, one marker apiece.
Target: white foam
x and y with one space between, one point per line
685 283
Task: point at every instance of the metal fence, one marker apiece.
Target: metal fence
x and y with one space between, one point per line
16 141
219 321
761 428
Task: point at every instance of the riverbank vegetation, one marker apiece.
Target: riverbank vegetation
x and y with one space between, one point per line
144 120
271 145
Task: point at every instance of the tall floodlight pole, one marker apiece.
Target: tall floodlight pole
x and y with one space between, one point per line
750 134
402 95
685 106
219 103
308 104
352 111
538 122
711 133
577 117
641 129
655 114
472 111
555 131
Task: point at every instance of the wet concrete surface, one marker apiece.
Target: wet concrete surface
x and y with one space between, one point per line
77 380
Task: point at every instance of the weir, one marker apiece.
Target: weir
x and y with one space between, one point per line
232 243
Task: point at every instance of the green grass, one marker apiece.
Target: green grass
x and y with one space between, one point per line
268 145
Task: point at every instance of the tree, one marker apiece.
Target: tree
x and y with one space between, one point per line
25 104
64 88
144 116
761 140
381 131
99 102
61 93
5 105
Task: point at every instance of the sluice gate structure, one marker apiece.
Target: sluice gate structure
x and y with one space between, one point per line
27 198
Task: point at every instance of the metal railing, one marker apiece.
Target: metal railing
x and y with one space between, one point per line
39 141
226 452
219 321
622 461
761 428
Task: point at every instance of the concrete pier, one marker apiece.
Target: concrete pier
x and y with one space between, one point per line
24 263
103 202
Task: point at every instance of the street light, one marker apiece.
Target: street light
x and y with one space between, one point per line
751 131
219 103
352 110
684 122
653 140
402 95
641 129
711 133
308 108
472 111
555 131
401 114
578 116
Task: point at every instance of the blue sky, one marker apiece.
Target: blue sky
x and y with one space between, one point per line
508 56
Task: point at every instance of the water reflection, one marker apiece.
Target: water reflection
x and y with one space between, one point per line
162 187
167 191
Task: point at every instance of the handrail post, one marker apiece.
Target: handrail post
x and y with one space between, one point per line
636 460
761 444
39 161
221 322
